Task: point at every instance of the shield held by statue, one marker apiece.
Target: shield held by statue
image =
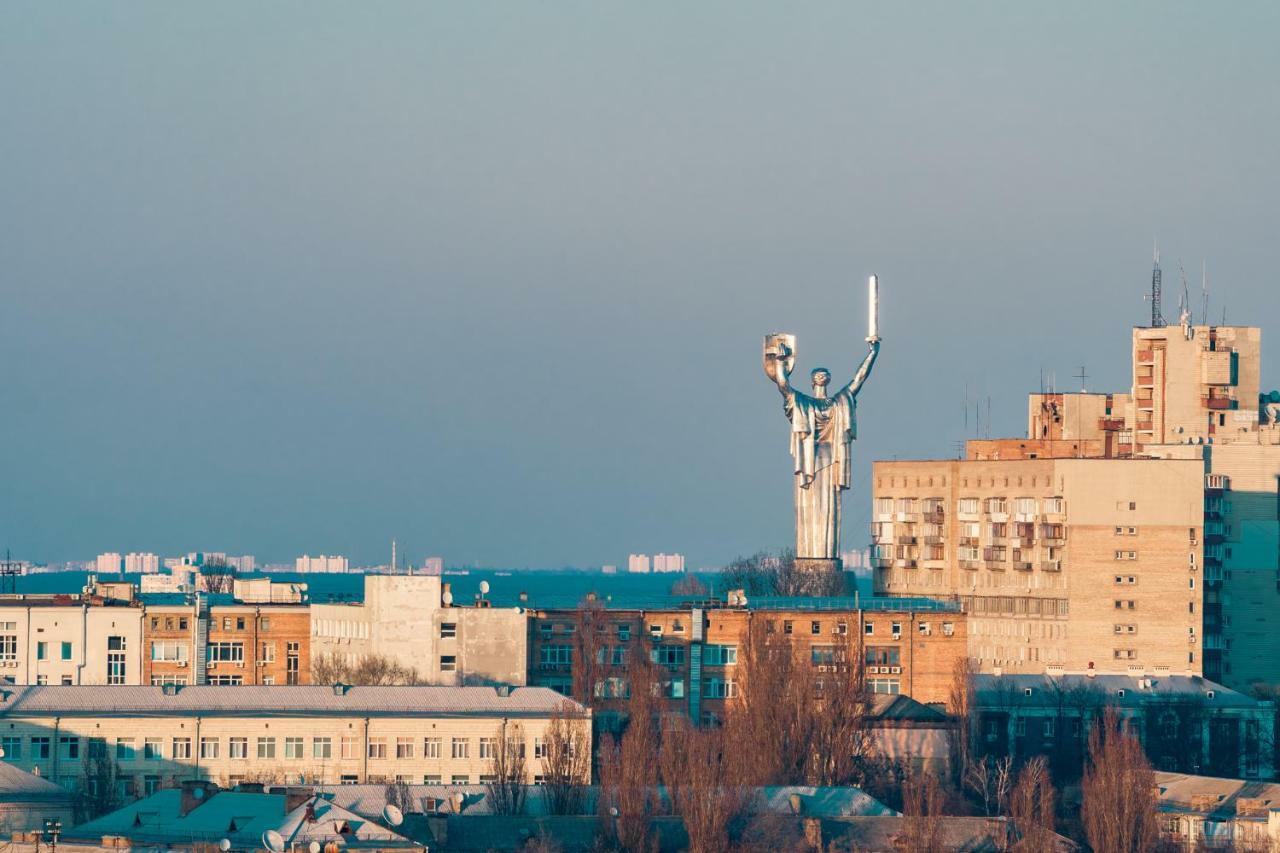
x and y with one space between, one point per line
779 347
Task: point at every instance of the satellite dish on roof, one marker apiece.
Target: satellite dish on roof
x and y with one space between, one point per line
313 847
224 845
273 841
392 815
484 587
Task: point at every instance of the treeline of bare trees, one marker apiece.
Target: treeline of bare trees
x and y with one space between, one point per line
330 668
764 573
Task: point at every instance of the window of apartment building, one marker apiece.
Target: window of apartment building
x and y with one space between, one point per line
12 747
226 652
618 656
431 747
448 630
348 779
908 506
226 623
891 686
1129 530
181 748
266 747
488 747
1024 506
66 680
116 660
209 747
322 747
897 629
40 748
268 680
448 663
69 747
997 506
125 750
238 747
377 747
42 680
264 623
822 654
719 655
624 631
169 650
183 624
815 627
557 655
1056 506
8 641
884 506
349 746
1125 605
293 748
539 748
1191 607
267 653
1124 654
42 650
869 629
1126 579
431 779
882 656
153 749
226 680
787 627
673 689
1126 555
488 778
677 627
667 654
545 629
292 662
720 688
968 506
150 784
404 747
459 779
1126 629
461 748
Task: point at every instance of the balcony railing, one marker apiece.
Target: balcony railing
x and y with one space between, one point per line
1022 566
906 540
1217 403
1051 566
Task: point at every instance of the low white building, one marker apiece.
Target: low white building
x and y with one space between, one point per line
412 620
65 639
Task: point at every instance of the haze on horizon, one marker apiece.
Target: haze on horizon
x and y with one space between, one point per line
492 279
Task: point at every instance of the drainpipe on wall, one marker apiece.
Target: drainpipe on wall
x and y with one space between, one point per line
53 746
364 759
84 642
195 747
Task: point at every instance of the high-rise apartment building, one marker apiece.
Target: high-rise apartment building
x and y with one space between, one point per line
1196 398
109 563
142 564
1072 564
638 564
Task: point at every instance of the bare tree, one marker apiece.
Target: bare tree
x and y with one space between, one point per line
628 767
397 794
699 775
508 769
566 768
960 703
690 586
1119 808
591 627
1031 808
921 815
835 732
216 576
330 668
100 791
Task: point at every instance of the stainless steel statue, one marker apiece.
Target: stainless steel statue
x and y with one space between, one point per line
822 429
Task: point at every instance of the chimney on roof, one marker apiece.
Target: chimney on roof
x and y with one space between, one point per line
294 797
169 689
194 792
504 690
340 689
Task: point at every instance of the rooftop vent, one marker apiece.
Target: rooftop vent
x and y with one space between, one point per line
340 689
169 689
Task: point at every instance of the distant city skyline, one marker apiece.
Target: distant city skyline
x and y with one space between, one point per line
488 284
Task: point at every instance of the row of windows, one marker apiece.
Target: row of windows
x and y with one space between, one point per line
9 647
293 747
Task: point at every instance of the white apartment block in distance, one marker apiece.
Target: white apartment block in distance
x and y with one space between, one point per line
158 736
665 563
320 564
414 621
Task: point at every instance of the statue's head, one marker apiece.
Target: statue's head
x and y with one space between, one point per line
821 378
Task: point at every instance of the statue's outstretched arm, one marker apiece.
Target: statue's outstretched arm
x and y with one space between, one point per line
864 370
777 366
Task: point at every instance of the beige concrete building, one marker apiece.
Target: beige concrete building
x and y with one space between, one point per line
158 736
413 620
1061 564
66 639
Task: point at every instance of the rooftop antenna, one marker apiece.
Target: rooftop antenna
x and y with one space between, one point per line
1157 319
1082 376
1204 290
393 556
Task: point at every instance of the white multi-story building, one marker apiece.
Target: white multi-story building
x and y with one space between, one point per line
638 564
243 563
322 563
109 563
664 563
70 640
142 564
412 620
159 735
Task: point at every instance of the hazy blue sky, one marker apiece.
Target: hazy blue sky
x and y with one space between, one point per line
492 278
